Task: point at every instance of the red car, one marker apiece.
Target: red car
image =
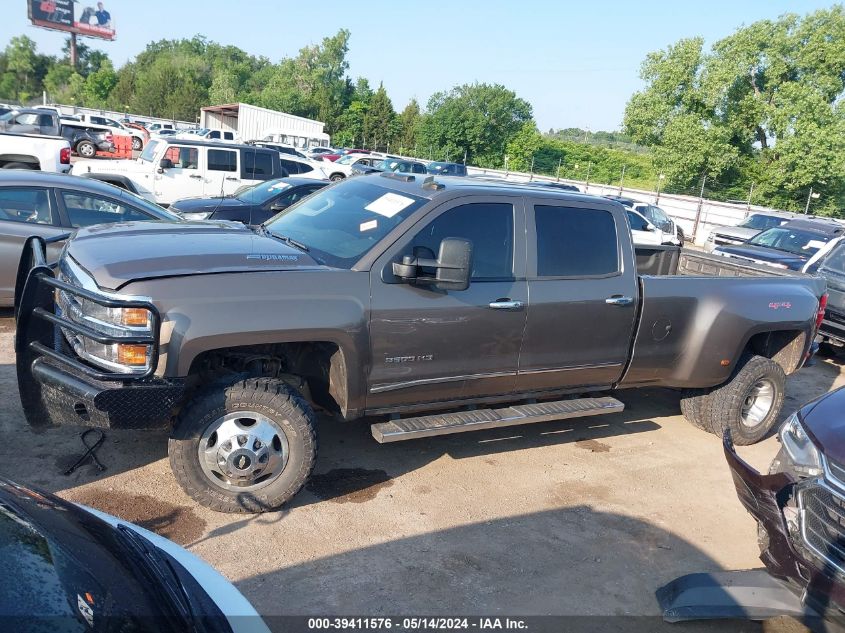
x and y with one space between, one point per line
344 152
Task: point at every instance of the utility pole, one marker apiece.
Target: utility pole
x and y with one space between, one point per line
622 180
465 156
531 176
587 182
659 180
559 161
750 193
507 171
809 197
73 53
698 210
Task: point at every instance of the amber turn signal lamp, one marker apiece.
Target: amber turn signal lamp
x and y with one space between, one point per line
132 354
135 316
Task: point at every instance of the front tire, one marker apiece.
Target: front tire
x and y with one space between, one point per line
137 144
247 446
336 177
749 403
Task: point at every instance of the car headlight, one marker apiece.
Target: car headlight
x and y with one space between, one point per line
197 215
804 458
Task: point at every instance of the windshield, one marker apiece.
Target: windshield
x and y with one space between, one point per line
150 151
8 115
658 215
789 240
151 207
262 192
342 223
761 222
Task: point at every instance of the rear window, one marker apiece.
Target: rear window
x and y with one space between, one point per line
835 261
791 240
222 160
257 165
573 242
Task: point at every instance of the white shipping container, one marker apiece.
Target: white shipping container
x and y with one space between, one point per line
251 123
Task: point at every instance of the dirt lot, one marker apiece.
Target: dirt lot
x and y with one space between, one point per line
573 517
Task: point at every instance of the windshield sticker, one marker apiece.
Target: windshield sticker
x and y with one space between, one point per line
389 204
369 226
279 186
85 610
814 244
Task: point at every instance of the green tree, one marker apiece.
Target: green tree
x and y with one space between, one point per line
20 63
764 104
380 125
523 146
99 85
409 122
476 120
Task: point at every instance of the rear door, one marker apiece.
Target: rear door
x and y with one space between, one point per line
222 173
583 297
24 211
436 345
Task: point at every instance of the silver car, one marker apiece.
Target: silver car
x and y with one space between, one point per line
748 228
48 205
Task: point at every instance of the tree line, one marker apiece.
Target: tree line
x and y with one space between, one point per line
758 117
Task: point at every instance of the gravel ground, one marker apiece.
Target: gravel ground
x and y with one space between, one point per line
581 518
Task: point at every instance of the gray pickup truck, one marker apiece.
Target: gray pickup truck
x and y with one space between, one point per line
432 304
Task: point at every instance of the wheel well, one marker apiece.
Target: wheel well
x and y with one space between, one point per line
19 158
785 347
319 364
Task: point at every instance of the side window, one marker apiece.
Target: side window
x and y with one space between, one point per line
835 260
183 157
257 165
291 165
84 209
215 134
489 226
229 136
222 160
27 119
45 120
25 205
637 222
574 242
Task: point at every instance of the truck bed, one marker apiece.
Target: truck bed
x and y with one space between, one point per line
672 260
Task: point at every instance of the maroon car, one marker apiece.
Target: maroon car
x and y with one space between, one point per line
343 152
800 504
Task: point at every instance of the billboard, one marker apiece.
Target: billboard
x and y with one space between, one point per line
90 20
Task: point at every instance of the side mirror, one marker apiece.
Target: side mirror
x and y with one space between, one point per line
453 266
165 163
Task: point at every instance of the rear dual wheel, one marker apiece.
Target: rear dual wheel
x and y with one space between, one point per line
748 404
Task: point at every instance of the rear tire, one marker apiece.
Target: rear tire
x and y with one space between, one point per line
336 177
137 144
246 446
749 403
86 149
694 407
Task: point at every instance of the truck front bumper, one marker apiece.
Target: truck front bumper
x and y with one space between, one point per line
55 385
765 496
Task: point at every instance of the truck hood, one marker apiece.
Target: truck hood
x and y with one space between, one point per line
741 233
166 249
198 205
764 255
824 420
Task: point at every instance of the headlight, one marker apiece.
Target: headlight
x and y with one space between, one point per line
803 455
197 215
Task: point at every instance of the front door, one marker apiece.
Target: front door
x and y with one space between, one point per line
184 179
433 345
583 300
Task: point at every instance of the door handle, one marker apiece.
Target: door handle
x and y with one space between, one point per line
618 300
506 304
194 176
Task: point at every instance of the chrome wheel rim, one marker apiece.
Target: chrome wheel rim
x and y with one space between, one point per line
243 451
758 403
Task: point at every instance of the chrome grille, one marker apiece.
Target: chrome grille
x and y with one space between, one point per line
823 524
835 472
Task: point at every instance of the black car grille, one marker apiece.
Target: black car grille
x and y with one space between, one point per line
823 525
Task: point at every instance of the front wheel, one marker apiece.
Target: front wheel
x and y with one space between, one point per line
86 149
749 403
336 177
137 144
248 446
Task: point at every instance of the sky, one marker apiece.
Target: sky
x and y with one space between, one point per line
577 63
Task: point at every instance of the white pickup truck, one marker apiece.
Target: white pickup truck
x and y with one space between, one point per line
34 151
170 169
